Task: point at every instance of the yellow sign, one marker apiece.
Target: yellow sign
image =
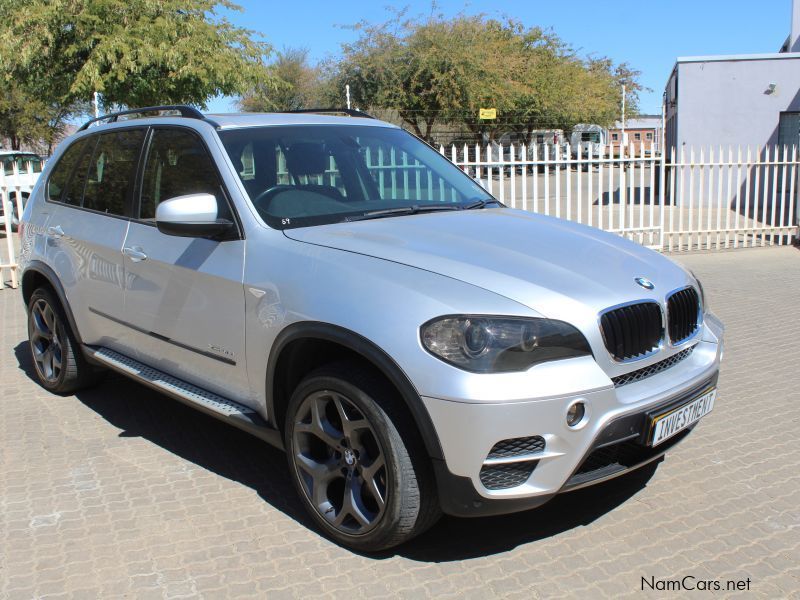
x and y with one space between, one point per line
487 113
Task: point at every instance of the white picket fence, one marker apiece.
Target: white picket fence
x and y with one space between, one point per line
12 187
693 199
696 199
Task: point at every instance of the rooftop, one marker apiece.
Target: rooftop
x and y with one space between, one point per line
235 120
738 57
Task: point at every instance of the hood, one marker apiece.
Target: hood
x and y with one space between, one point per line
552 266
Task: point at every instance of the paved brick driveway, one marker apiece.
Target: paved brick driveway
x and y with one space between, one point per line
121 492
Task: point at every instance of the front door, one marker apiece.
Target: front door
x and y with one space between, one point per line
184 296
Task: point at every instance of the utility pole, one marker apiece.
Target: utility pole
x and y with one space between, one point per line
96 102
347 92
624 141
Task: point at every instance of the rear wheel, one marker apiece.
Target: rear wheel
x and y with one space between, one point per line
59 364
365 484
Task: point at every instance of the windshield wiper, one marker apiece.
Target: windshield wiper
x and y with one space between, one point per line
479 204
403 210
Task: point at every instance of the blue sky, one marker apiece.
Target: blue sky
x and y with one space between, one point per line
648 34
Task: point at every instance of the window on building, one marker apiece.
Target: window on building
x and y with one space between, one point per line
615 136
649 136
789 129
637 137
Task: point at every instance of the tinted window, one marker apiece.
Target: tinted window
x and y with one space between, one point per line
63 170
178 164
111 171
77 183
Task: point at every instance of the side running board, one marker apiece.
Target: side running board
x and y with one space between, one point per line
212 404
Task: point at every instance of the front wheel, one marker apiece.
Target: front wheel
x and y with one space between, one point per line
367 486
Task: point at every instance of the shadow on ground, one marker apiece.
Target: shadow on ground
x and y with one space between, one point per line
141 412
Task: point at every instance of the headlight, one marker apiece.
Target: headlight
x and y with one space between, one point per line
702 291
484 344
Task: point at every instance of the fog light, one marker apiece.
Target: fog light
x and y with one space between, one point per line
575 413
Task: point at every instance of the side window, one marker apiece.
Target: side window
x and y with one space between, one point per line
112 170
178 164
60 176
74 192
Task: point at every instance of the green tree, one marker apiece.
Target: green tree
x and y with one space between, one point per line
436 69
297 85
26 119
134 52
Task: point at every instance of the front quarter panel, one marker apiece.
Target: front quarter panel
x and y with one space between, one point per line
288 281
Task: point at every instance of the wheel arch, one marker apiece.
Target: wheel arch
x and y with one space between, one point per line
38 274
294 344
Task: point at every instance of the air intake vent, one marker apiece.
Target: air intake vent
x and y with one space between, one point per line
632 331
653 369
517 447
501 477
683 308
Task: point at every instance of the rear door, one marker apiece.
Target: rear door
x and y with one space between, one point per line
91 191
184 296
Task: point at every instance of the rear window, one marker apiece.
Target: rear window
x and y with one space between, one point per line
63 170
23 163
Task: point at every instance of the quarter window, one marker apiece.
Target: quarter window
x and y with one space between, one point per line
178 164
111 171
74 192
60 176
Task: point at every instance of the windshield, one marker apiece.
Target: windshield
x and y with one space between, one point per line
21 161
590 136
301 175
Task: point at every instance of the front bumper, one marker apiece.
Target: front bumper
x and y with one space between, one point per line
608 442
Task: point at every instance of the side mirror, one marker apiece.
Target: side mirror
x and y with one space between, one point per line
193 215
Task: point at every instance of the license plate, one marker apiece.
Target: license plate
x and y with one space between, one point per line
671 423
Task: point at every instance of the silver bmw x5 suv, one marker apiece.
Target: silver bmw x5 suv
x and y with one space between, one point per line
337 287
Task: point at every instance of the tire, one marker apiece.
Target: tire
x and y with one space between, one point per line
348 436
58 361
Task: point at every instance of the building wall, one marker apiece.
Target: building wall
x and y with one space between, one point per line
729 102
632 141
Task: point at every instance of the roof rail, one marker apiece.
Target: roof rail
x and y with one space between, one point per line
188 112
350 112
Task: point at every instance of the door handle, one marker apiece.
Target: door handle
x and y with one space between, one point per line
55 231
135 254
